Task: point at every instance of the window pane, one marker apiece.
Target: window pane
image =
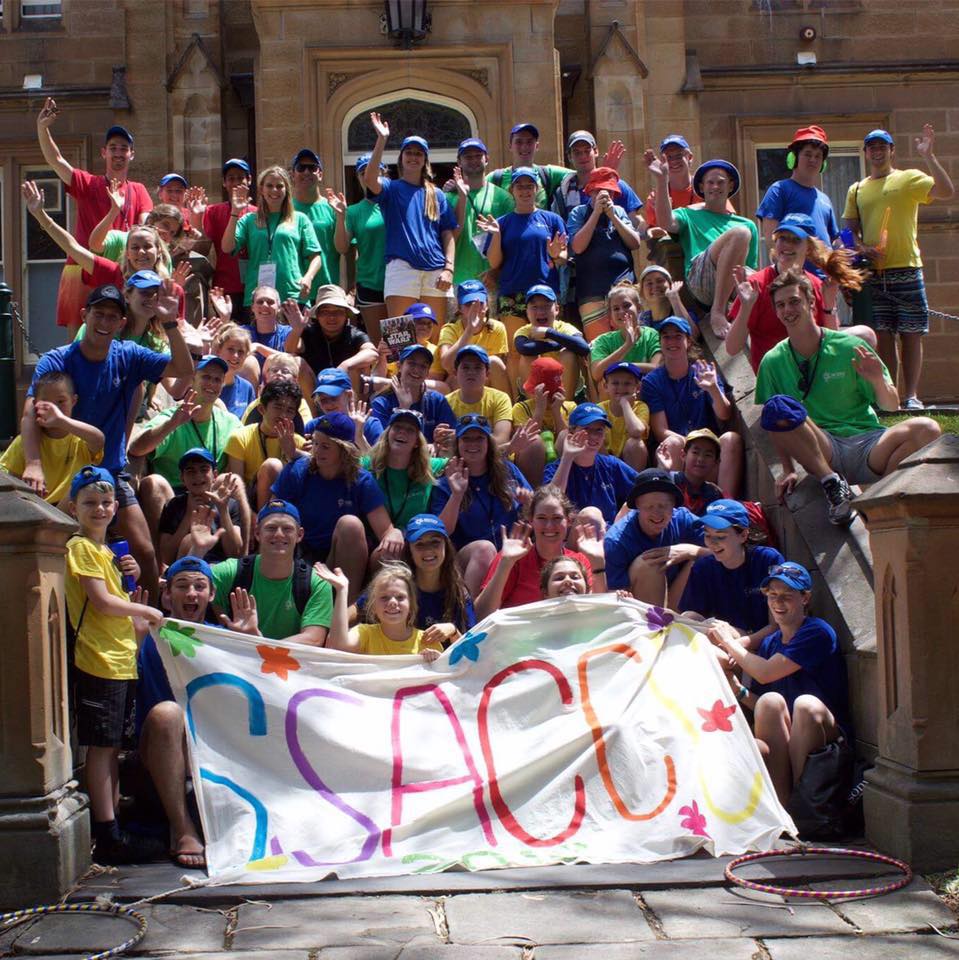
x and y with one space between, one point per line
37 9
442 126
770 167
842 171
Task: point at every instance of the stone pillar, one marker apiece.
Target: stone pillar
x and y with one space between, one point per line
44 826
912 794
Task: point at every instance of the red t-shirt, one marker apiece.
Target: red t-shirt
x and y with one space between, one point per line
678 198
522 584
765 328
227 271
106 271
89 190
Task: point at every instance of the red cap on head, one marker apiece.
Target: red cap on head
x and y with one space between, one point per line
602 178
812 132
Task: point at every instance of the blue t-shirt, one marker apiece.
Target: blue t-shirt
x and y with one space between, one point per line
322 502
409 235
105 388
607 260
625 542
731 595
787 196
237 396
275 340
525 259
686 405
153 686
606 484
429 610
433 405
823 669
482 518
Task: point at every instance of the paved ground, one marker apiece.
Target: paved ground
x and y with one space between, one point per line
676 911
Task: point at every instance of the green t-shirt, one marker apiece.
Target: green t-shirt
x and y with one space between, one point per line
275 606
114 245
212 435
698 229
404 500
365 225
289 246
323 218
640 352
554 177
489 200
839 401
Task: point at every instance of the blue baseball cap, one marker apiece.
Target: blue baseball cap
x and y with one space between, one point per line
188 565
239 164
471 143
792 574
117 131
673 140
473 421
541 290
587 413
306 154
704 168
878 134
332 382
415 141
413 349
363 161
87 475
196 453
422 524
782 413
721 514
623 365
521 172
145 280
420 311
279 506
524 126
798 224
654 480
469 291
403 413
170 177
471 350
678 322
212 360
336 425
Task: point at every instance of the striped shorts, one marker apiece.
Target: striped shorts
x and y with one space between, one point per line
899 302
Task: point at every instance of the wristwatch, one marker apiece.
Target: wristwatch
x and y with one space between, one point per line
170 325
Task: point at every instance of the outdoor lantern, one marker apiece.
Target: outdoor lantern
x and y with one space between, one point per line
407 21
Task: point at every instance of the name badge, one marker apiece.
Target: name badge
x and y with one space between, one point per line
266 275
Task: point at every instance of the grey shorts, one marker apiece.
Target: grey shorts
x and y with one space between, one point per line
701 278
850 455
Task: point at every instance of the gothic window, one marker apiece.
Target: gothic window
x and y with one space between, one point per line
442 126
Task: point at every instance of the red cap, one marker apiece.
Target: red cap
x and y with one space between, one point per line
812 132
546 371
603 178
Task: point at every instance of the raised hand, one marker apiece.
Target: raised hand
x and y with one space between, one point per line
115 193
181 273
286 436
674 291
168 303
556 247
239 200
556 401
195 200
48 414
704 373
380 126
444 439
337 201
358 411
487 223
336 578
576 442
868 365
925 145
589 543
245 620
654 165
201 529
33 197
294 315
222 303
462 187
614 154
517 544
457 476
403 395
747 293
48 114
523 437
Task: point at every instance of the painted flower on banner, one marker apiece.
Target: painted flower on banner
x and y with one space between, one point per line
181 639
277 660
658 618
467 646
716 718
693 820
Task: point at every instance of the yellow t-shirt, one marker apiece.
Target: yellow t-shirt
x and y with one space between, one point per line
436 369
252 447
492 338
617 435
61 459
901 193
523 411
375 643
495 405
106 646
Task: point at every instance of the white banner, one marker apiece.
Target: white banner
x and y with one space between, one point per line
583 729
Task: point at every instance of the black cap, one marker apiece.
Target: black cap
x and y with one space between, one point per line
653 480
108 293
117 131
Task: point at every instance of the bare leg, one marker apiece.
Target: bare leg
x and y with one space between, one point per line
813 726
514 368
730 463
772 727
647 582
532 462
499 378
887 353
901 440
269 470
101 782
911 362
133 525
349 552
674 591
371 319
154 493
726 251
251 371
439 305
808 446
474 561
635 453
396 306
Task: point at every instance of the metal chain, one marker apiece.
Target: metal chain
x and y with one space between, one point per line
18 320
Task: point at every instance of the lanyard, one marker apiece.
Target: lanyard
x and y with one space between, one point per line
802 365
270 234
203 443
262 439
483 195
394 513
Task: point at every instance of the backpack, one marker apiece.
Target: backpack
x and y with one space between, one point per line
826 803
496 179
302 579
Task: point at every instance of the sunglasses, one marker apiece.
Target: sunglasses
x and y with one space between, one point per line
306 168
805 376
474 420
782 569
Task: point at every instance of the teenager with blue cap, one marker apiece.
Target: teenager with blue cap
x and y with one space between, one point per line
797 678
713 240
474 395
523 145
628 414
420 226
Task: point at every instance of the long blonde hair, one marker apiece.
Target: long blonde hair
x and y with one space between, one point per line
262 209
388 572
163 253
419 469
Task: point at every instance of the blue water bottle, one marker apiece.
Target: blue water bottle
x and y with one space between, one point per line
848 240
121 548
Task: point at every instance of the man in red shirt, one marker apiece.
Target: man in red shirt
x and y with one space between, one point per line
89 192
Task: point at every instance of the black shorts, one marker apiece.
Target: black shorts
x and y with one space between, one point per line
368 297
104 710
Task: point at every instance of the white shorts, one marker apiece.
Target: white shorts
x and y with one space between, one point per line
402 280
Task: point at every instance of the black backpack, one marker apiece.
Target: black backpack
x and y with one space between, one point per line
826 803
302 579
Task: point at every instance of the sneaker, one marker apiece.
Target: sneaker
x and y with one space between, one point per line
839 496
913 403
129 848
